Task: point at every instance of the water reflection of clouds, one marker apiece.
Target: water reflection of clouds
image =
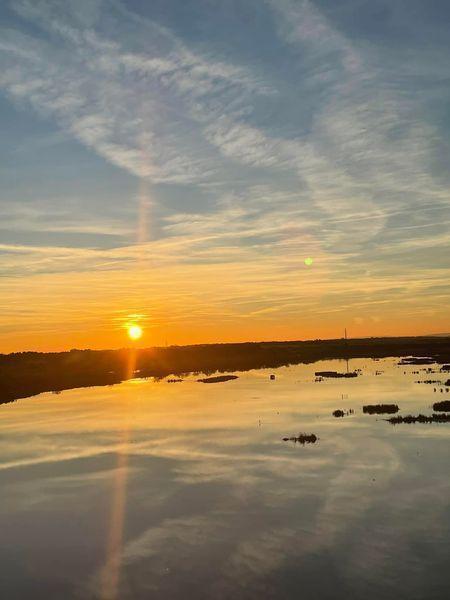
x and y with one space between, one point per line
213 496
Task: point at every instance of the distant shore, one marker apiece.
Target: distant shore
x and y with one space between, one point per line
26 374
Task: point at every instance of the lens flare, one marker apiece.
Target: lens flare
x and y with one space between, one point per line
134 332
308 261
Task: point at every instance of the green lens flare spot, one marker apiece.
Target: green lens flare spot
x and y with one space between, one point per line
308 261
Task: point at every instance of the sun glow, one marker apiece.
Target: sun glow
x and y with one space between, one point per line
135 332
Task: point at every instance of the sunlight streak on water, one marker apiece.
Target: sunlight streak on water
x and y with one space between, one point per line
151 489
111 572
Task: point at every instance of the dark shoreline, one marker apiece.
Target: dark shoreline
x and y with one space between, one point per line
26 374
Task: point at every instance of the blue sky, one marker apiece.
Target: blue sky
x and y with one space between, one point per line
171 140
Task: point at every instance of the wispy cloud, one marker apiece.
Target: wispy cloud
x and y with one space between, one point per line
350 179
136 110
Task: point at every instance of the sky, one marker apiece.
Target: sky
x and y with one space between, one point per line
222 170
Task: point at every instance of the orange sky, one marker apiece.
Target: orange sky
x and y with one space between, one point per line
275 183
233 301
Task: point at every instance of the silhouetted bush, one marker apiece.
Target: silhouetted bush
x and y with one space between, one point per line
302 438
444 405
380 409
444 418
217 379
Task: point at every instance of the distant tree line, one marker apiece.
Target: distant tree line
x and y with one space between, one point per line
28 373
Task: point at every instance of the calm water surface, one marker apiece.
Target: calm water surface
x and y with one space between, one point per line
186 490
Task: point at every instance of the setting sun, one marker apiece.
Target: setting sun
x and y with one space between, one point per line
224 271
134 332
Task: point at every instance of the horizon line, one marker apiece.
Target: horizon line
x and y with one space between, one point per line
293 341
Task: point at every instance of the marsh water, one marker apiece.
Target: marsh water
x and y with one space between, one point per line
150 489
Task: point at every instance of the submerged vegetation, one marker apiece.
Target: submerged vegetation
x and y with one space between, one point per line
416 360
302 438
434 418
217 379
342 413
338 413
442 406
335 374
380 409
